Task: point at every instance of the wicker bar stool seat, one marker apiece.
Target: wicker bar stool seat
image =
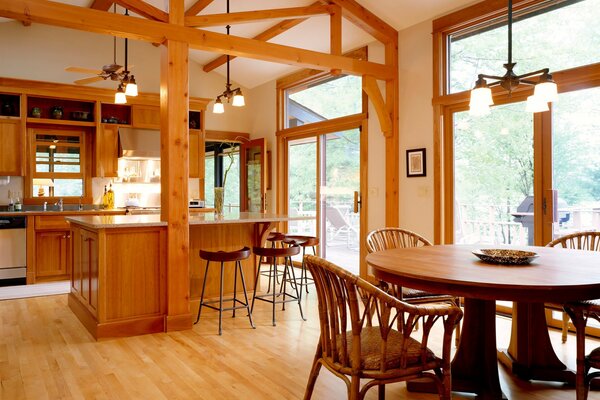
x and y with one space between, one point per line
223 257
303 242
288 277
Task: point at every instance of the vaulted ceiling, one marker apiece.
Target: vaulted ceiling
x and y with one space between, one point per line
311 33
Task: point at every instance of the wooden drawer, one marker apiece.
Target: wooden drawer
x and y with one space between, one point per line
51 222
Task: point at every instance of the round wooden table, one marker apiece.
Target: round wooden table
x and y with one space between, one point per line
557 275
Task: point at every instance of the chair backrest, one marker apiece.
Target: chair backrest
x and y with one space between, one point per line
578 240
393 238
335 217
349 304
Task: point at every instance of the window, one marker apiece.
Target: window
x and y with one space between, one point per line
58 170
217 159
559 36
322 100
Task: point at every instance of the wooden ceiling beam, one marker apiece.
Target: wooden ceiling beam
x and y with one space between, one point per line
244 17
102 5
85 19
367 21
263 36
197 7
144 9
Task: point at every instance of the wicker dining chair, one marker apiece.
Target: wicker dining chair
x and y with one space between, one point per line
358 339
581 241
393 238
580 312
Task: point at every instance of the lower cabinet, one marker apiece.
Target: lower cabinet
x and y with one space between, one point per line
53 251
84 280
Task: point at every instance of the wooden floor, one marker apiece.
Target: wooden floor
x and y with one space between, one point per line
45 353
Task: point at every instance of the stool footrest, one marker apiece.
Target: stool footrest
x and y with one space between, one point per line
269 298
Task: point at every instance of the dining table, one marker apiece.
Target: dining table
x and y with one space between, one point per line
556 275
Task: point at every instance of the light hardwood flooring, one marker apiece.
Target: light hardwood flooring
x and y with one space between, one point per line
45 353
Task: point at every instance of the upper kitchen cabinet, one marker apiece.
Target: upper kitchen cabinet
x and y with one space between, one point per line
10 147
58 111
106 147
147 117
253 160
10 105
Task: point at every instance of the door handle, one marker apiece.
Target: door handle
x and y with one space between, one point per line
357 202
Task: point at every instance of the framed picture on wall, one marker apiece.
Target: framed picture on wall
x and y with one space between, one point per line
416 164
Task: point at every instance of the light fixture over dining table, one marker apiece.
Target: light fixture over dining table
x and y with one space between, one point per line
545 89
234 96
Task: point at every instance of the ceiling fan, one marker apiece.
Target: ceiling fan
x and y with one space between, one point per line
113 71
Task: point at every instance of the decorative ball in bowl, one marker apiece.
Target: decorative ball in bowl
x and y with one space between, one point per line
505 256
80 115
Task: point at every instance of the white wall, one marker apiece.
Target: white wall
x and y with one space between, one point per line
416 125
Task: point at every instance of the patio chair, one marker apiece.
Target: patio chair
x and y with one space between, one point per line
358 339
393 238
580 313
339 225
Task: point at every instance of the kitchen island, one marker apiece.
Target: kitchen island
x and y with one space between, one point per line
118 283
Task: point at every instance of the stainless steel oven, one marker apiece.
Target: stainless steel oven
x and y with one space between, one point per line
13 253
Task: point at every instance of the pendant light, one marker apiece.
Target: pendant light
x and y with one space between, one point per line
545 89
234 96
127 84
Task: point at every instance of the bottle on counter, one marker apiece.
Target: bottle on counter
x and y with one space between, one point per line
11 203
111 197
105 198
17 203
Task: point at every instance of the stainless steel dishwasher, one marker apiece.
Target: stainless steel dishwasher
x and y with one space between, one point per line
13 253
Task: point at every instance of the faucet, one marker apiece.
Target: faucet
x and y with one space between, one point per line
80 207
45 205
59 203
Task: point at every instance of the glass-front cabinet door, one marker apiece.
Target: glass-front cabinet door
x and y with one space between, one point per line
253 174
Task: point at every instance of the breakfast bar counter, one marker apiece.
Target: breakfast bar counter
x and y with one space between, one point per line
118 283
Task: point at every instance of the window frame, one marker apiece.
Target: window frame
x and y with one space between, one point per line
85 166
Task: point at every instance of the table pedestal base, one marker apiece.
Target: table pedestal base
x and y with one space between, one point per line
530 354
475 364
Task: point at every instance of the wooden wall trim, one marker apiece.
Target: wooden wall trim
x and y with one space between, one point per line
331 125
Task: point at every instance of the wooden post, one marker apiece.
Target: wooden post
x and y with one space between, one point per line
392 148
174 166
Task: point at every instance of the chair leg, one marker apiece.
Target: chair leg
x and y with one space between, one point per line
221 301
314 374
579 322
255 285
239 265
274 294
354 388
202 295
565 326
381 389
234 300
297 291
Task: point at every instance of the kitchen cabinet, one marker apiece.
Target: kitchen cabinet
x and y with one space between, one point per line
106 151
10 147
253 174
194 145
53 249
147 117
84 280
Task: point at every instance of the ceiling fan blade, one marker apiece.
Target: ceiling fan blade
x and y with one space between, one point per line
85 81
84 70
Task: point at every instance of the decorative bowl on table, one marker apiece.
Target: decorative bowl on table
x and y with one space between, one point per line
505 256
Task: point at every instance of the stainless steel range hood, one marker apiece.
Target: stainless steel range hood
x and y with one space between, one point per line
139 144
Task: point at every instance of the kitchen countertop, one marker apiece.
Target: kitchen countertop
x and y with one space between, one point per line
37 211
129 221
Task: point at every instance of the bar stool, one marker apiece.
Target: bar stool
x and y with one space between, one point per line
274 238
304 242
287 275
223 257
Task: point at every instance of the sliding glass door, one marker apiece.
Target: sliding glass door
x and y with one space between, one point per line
324 182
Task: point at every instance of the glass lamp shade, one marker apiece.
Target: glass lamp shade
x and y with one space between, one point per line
238 99
479 110
546 91
536 104
218 107
131 88
481 97
120 97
